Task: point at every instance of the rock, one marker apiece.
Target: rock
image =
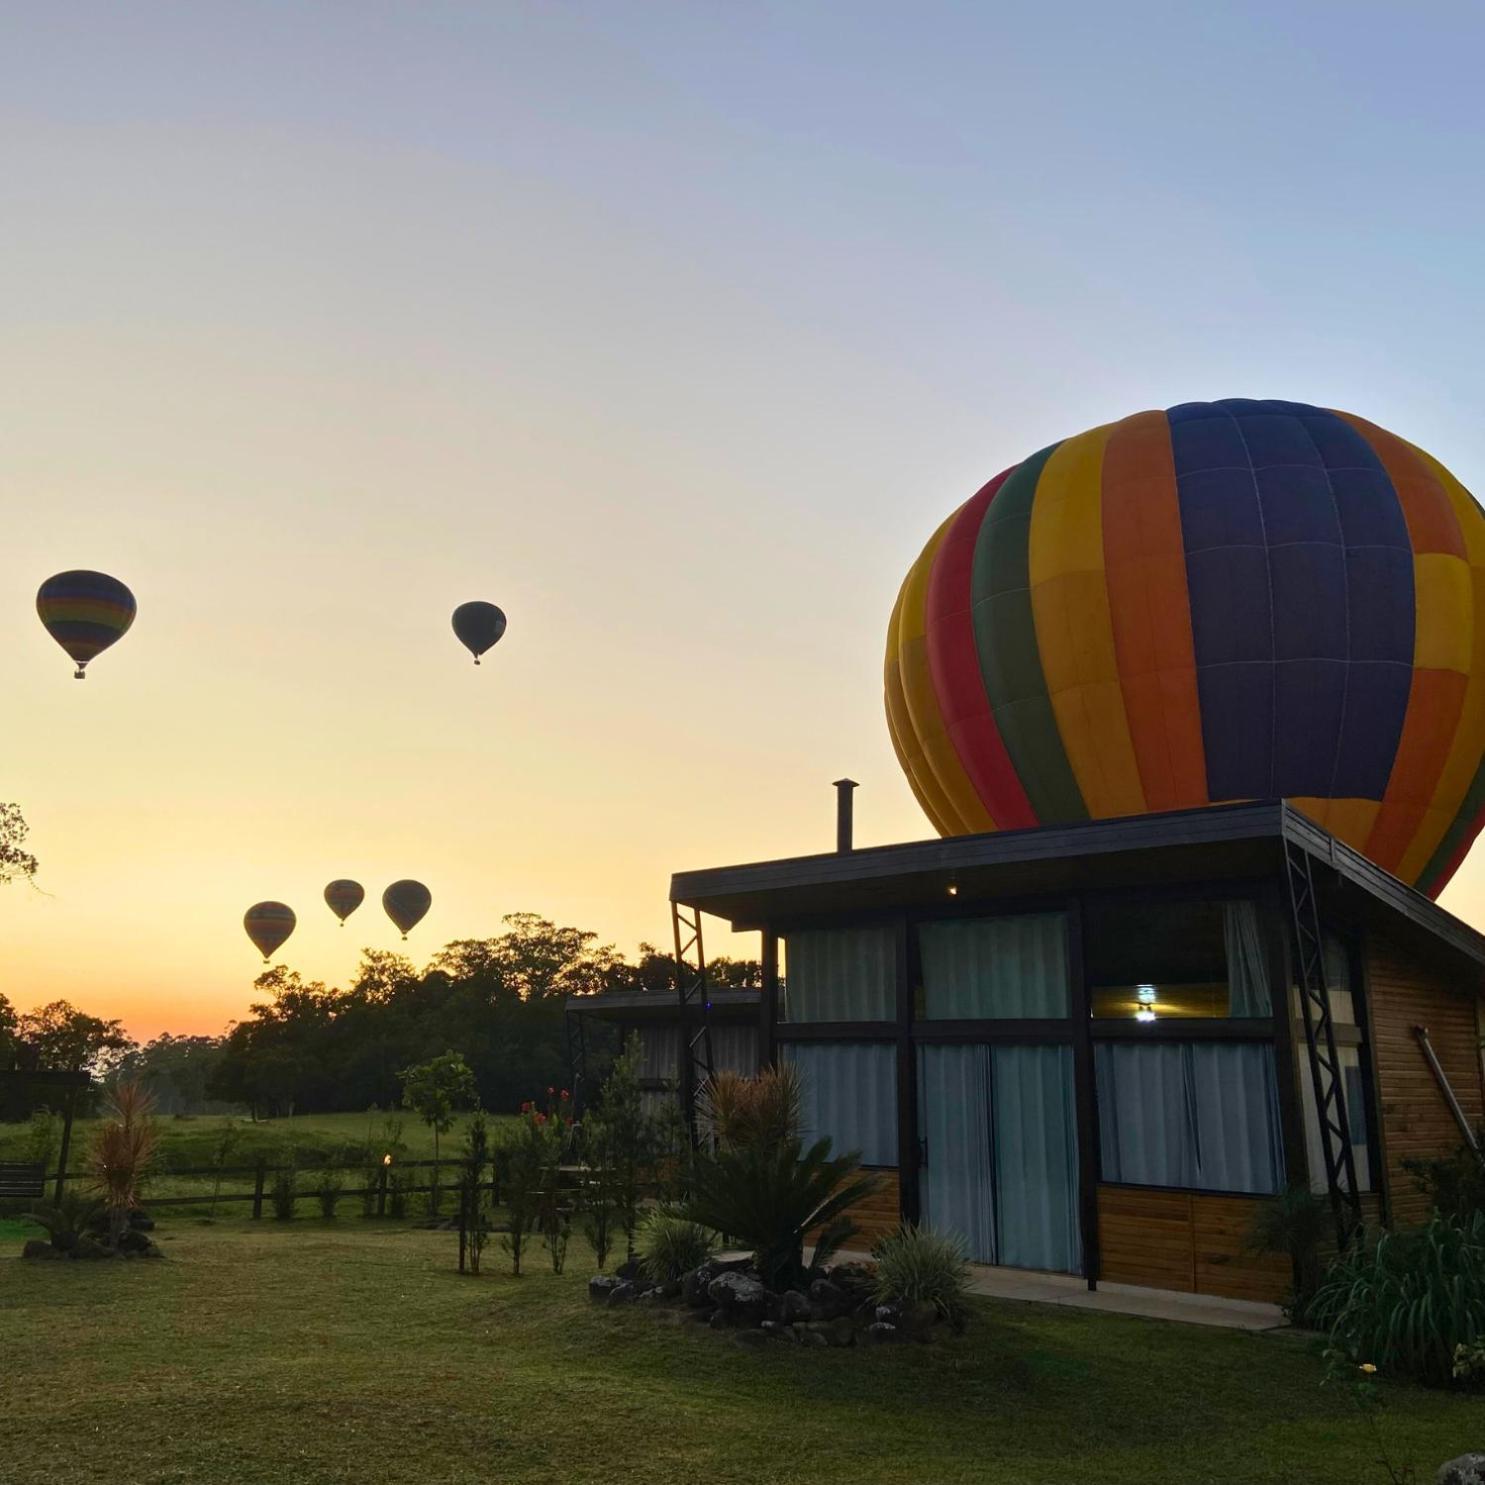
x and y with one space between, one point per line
671 1289
837 1332
629 1269
720 1320
743 1297
831 1298
39 1248
794 1308
888 1314
752 1338
881 1331
141 1221
90 1247
774 1331
625 1292
918 1320
808 1337
602 1286
135 1241
701 1317
1468 1469
857 1279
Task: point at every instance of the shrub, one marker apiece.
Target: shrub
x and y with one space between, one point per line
528 1160
1405 1301
1297 1224
69 1220
598 1197
123 1151
764 1109
639 1145
670 1244
1454 1185
282 1192
917 1266
770 1197
397 1193
331 1182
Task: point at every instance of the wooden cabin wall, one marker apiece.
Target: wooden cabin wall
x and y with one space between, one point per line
878 1215
1406 991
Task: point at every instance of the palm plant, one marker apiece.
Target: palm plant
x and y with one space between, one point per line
66 1221
764 1109
768 1197
123 1149
1296 1224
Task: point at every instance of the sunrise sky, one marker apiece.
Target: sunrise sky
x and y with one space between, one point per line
672 328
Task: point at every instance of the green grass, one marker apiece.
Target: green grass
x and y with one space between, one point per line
351 1351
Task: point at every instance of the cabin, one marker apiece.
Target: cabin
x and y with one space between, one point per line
1096 1049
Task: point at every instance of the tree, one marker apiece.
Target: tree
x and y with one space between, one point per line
62 1037
16 861
436 1090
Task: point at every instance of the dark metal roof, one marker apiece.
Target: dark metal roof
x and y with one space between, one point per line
661 1005
1217 843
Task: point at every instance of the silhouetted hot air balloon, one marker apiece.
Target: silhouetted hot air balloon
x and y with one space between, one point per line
1224 601
268 924
85 612
406 902
478 625
344 897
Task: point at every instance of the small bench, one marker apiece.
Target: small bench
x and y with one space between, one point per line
20 1180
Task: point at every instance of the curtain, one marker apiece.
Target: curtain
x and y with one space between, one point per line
841 974
955 1182
661 1046
1203 1115
850 1095
1247 966
1035 1145
735 1048
978 968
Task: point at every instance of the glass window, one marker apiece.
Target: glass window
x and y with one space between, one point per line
987 968
1337 963
1203 1115
1193 959
850 1095
1353 1089
840 974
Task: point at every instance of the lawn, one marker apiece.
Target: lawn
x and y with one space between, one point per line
351 1351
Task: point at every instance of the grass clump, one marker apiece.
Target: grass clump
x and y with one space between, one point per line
918 1266
668 1245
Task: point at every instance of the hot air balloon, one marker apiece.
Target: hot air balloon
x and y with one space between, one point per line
1224 601
406 902
268 924
344 897
478 626
85 612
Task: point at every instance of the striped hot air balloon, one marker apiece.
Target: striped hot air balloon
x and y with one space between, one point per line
343 897
1224 601
268 924
405 903
85 612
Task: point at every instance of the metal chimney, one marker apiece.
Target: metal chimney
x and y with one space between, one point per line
843 788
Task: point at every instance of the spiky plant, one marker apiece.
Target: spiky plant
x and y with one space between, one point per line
123 1150
1298 1225
768 1197
764 1109
918 1266
670 1244
67 1220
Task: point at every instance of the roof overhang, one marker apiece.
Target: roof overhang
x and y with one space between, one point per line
635 1006
1217 843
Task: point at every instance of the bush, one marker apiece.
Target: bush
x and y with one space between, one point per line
770 1197
1406 1301
331 1182
1297 1224
918 1266
282 1192
1454 1185
669 1245
397 1194
69 1220
766 1109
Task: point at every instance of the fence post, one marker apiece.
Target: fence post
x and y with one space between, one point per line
381 1190
258 1177
463 1221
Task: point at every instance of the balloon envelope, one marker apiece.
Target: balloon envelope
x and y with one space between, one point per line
268 924
1224 601
406 902
344 897
478 626
85 612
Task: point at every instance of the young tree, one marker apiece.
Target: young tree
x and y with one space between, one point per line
635 1141
436 1090
15 861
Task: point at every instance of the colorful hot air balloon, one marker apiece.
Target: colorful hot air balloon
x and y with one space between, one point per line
478 626
344 897
268 924
1224 601
406 902
85 612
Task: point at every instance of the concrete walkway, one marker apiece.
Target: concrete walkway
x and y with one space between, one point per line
1125 1299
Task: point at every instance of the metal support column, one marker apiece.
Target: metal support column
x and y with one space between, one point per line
696 1066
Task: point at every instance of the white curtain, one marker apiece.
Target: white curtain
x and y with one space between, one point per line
978 968
841 974
955 1181
850 1095
1036 1157
1247 966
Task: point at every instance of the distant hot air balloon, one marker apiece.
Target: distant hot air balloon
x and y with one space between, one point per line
85 612
268 924
406 902
344 897
1223 601
478 625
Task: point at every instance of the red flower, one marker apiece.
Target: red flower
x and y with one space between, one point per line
550 1091
526 1107
566 1094
541 1118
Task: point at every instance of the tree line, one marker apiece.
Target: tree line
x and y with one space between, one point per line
306 1047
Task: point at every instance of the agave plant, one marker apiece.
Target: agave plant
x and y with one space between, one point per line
123 1149
769 1197
764 1109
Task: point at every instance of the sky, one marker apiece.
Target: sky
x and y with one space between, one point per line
674 329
